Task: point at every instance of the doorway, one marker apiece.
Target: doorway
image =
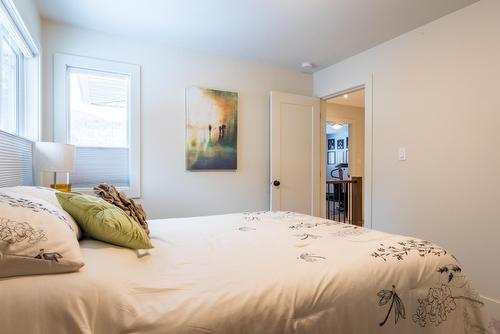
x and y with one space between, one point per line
345 157
298 153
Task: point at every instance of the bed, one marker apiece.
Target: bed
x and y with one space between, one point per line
256 272
260 272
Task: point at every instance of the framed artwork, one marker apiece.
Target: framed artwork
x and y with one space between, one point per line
331 158
340 144
331 144
211 129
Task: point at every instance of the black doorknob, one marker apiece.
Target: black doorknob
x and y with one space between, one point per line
276 183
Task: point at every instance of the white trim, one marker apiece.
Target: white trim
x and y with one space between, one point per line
28 71
322 172
367 84
31 98
17 29
61 119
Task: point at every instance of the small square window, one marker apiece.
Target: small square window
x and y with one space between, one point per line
98 108
99 113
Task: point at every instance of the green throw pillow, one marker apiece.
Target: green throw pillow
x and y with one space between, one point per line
104 221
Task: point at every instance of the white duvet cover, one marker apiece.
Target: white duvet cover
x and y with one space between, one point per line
251 273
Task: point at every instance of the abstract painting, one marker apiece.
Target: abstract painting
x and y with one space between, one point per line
211 129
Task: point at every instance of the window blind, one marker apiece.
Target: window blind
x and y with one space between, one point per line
94 165
16 161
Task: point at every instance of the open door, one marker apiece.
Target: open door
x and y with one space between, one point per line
295 153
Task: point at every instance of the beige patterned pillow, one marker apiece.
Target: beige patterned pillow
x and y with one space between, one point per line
47 195
35 237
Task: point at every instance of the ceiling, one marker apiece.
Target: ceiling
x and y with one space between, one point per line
281 32
354 99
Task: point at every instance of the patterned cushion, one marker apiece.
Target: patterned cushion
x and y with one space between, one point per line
48 195
35 237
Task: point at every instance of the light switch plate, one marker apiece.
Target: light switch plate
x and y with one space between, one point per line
402 154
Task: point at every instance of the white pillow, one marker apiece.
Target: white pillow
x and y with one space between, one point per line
35 237
48 195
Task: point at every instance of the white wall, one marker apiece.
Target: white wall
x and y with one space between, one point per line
430 87
168 189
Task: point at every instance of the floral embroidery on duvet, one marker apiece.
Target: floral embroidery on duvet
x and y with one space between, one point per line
305 236
350 231
396 304
310 257
442 300
440 303
403 248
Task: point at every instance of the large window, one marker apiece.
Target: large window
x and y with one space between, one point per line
99 114
19 106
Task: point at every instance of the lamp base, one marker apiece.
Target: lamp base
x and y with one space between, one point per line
64 187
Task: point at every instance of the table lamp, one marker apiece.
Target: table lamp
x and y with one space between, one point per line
55 158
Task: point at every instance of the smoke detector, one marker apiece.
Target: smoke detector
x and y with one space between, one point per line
307 66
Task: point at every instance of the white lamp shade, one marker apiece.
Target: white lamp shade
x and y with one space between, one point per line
54 157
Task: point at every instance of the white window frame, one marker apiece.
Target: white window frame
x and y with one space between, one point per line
20 58
28 72
61 108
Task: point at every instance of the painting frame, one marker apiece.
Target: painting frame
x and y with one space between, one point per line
340 144
211 129
331 143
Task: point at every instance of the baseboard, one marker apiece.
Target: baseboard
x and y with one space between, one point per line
493 306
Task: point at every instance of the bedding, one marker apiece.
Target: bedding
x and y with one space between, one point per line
35 237
264 272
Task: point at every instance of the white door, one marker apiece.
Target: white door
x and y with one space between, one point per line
295 153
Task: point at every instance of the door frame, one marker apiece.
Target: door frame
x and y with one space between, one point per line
367 85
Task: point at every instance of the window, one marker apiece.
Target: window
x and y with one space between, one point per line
98 112
19 63
98 108
9 85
